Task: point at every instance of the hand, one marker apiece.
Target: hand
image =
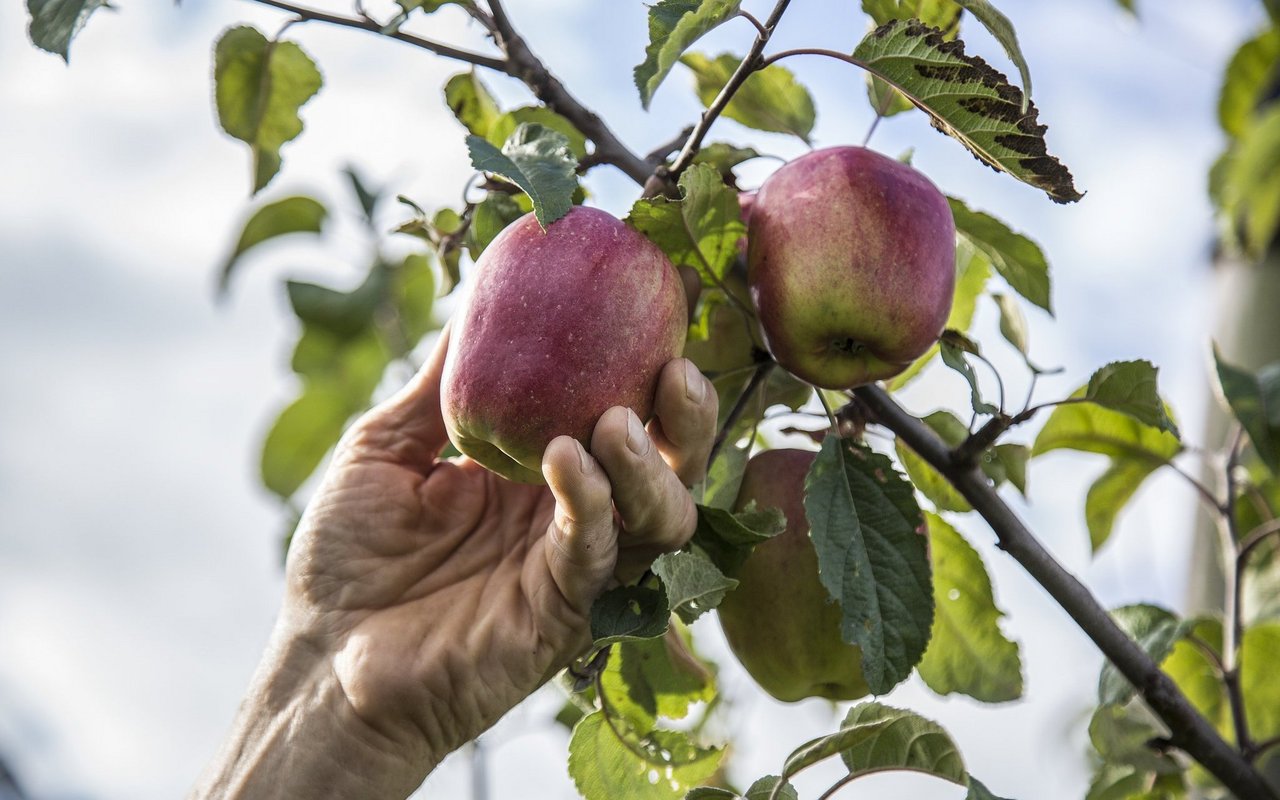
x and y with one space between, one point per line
425 598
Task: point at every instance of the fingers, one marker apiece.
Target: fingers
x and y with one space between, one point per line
684 428
581 544
656 509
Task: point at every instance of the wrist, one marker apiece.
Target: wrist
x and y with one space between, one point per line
298 736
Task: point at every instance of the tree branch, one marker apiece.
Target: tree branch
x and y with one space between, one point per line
1190 731
372 26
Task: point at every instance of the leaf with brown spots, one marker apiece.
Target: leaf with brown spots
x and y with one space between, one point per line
968 100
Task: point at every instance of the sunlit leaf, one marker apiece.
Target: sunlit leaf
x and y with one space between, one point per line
673 26
693 583
1016 258
928 480
701 229
1249 75
471 103
769 100
604 767
1155 630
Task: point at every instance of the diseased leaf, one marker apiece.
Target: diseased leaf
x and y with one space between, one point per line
728 538
259 86
700 230
1155 630
472 104
999 26
769 100
1248 77
967 653
290 215
1130 388
1254 400
673 26
626 613
872 557
1016 258
693 583
968 100
604 767
537 159
54 23
928 480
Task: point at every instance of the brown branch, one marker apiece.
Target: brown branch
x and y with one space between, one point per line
1190 731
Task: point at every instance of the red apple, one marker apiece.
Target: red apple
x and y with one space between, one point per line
779 620
851 264
559 327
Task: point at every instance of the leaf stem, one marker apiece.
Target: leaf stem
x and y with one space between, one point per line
1190 731
1233 630
763 368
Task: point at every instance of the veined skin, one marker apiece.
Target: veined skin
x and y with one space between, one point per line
851 264
559 327
779 620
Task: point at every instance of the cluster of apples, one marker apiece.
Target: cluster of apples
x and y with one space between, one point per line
851 270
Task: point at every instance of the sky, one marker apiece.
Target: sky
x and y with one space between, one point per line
139 557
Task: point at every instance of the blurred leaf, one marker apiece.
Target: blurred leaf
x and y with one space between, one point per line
928 480
472 104
368 198
954 357
1259 656
967 653
769 100
343 313
415 292
488 219
259 85
1018 259
1249 184
301 436
701 229
427 6
645 680
1108 496
968 100
727 538
1120 737
538 160
54 23
1155 630
872 557
349 366
1007 462
1198 677
290 215
629 612
1248 77
506 124
1130 388
604 767
693 583
673 26
1013 325
1254 400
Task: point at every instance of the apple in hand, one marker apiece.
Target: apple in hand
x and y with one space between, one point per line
560 325
779 620
851 265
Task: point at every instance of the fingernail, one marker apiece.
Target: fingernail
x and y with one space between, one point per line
695 388
637 439
586 461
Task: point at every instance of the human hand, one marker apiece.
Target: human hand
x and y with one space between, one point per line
427 597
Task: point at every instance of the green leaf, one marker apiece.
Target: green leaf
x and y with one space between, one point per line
1198 677
885 100
488 219
1254 400
343 313
693 583
414 293
1246 81
1007 462
427 6
673 26
769 100
767 788
290 215
1121 737
54 23
720 489
259 85
728 538
537 159
954 357
1013 325
701 229
1259 655
999 26
302 434
1130 388
928 480
348 366
626 613
872 557
506 124
1019 260
901 739
604 767
645 680
1249 184
941 14
471 103
367 197
967 653
1108 496
724 156
968 100
1155 630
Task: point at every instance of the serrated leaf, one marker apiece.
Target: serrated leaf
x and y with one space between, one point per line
537 159
645 680
54 23
603 767
928 480
1155 630
674 25
872 558
1130 388
693 583
727 538
700 230
505 125
299 438
626 613
1019 260
769 100
968 653
1254 400
471 103
999 26
968 100
290 215
901 739
1013 325
1249 75
953 355
259 86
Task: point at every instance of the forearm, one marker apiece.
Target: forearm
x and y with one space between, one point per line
297 736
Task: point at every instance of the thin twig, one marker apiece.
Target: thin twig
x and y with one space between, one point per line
1233 629
1190 731
1254 538
763 368
749 18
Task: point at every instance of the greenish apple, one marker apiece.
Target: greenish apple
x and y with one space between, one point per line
559 326
779 620
851 265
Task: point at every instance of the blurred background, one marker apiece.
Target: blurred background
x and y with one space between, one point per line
140 557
